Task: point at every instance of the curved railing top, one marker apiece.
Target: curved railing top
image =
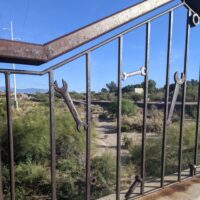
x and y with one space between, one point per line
36 54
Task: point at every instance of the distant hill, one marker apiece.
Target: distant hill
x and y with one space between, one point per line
27 90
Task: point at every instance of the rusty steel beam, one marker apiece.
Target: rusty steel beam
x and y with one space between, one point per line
22 53
26 53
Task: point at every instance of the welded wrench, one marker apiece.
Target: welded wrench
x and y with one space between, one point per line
178 83
142 72
65 94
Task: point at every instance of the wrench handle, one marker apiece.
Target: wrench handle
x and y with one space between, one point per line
73 111
175 95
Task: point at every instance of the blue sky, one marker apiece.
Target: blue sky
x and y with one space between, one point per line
39 21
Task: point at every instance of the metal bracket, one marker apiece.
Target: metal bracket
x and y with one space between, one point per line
142 72
65 94
194 5
136 182
178 82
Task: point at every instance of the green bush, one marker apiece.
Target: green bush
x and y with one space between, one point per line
103 168
135 123
128 108
127 142
153 151
31 130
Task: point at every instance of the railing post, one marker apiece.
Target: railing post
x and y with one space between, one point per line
10 137
88 119
197 127
163 158
1 186
187 42
119 116
145 108
52 135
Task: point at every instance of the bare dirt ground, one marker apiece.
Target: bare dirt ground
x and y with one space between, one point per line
107 138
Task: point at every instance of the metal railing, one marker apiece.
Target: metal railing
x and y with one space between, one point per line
38 54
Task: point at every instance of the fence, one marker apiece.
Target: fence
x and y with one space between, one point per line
32 54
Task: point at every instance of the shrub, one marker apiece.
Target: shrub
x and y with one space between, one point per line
103 168
32 156
33 178
153 151
128 108
135 123
128 142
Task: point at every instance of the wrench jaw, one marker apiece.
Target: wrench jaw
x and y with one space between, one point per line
65 86
63 91
181 80
143 71
178 84
124 76
80 125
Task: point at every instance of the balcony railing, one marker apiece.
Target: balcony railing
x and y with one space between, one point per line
34 54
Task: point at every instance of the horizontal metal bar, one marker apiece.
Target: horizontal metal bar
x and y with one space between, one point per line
68 60
22 53
26 53
18 71
76 56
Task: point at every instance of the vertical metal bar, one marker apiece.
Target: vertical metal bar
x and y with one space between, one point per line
1 186
166 97
119 116
180 156
88 118
52 135
10 136
197 127
145 109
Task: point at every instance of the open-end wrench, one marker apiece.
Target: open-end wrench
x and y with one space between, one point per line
142 72
178 83
135 184
65 94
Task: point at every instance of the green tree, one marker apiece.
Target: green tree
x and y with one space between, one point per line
112 87
104 90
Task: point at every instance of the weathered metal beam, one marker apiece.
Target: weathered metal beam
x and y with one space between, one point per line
26 53
21 52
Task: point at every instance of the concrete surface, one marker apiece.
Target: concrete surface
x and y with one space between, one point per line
188 189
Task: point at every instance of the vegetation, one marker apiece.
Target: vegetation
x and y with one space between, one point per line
31 131
128 108
32 155
153 151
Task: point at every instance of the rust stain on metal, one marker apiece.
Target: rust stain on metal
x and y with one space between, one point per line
171 192
35 54
21 52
